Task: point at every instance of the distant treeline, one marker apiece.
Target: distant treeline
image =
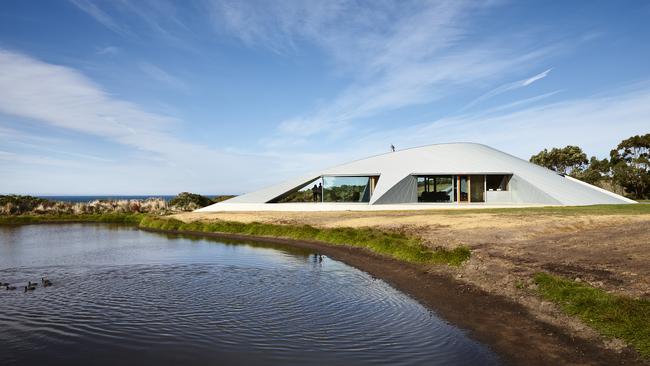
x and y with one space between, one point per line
185 201
627 171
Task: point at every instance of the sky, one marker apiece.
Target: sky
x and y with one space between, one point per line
224 97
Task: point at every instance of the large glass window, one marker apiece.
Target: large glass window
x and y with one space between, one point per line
438 188
310 192
497 182
346 189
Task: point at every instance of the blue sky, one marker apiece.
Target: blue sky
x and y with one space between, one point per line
158 97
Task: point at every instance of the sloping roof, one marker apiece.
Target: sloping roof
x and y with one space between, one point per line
452 159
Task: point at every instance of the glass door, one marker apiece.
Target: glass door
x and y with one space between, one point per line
462 190
477 188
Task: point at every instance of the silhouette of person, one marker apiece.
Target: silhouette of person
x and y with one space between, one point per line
320 192
392 147
314 193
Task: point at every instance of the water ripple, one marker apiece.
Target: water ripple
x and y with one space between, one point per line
233 304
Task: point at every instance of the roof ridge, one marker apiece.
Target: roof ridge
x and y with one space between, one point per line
411 148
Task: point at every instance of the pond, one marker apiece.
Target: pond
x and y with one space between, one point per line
126 296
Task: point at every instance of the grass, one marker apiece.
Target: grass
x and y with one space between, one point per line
613 315
391 244
114 218
622 209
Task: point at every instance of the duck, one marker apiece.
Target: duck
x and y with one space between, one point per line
46 282
4 284
30 288
7 287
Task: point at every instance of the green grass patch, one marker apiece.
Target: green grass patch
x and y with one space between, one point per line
114 218
623 209
613 315
391 244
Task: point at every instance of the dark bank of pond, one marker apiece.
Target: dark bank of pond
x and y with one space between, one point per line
126 296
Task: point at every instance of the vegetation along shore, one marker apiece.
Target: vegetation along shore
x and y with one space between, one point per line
551 284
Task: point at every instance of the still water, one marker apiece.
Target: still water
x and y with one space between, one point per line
125 296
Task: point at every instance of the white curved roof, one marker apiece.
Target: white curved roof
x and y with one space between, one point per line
452 159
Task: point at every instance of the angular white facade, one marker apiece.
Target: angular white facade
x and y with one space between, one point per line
453 173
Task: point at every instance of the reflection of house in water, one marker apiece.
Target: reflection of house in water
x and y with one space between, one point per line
455 173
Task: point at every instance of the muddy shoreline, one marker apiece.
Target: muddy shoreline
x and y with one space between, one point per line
508 328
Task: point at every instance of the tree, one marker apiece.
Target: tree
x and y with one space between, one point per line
189 201
630 163
569 160
595 171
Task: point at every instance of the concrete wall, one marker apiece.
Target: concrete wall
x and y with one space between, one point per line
523 191
498 197
405 191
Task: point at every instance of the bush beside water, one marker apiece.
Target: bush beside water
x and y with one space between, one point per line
186 201
29 205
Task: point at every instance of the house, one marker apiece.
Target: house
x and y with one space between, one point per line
440 175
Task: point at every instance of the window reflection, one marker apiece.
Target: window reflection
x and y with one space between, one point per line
438 188
332 189
309 192
497 182
346 189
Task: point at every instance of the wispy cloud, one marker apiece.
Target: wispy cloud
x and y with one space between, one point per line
533 79
143 19
518 103
162 76
107 51
508 87
58 96
65 98
33 159
15 138
596 123
101 16
396 55
62 97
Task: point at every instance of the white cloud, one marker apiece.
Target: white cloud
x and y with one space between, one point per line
597 124
533 79
64 98
107 51
61 97
506 88
143 19
101 16
396 54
